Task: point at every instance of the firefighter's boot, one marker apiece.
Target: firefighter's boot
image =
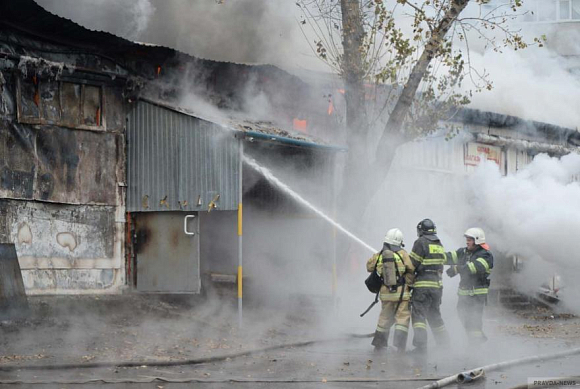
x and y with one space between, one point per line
400 338
380 340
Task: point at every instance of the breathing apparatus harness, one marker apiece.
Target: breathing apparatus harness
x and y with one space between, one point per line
374 287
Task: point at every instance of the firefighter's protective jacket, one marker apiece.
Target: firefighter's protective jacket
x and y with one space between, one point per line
406 269
428 257
474 268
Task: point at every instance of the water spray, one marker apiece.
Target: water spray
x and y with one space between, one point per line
273 179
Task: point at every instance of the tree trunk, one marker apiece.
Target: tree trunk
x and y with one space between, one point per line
362 179
352 66
401 109
356 119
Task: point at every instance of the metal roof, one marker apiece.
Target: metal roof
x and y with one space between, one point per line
257 130
497 120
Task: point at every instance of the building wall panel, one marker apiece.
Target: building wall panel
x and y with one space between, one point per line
55 164
65 248
178 162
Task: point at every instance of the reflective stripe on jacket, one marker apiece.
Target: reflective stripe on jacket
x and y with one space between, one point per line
474 268
428 257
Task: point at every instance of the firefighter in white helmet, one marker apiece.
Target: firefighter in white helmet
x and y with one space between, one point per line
473 263
397 271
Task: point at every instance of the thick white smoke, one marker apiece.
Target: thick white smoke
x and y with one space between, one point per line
127 19
141 12
534 84
534 214
241 31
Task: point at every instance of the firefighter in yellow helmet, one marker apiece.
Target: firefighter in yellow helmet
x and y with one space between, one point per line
473 263
395 267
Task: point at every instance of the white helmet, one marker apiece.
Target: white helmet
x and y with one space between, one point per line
476 233
395 237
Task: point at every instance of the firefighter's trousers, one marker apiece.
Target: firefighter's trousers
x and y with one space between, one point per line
470 311
425 310
387 318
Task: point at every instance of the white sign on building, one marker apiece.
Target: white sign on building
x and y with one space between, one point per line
475 152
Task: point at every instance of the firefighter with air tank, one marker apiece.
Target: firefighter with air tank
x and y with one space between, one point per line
473 263
393 264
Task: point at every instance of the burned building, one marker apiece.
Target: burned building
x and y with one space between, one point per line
118 170
106 183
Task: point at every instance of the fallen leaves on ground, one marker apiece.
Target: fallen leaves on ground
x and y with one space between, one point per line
18 358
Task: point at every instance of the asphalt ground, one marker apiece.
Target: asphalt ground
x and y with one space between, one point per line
338 364
84 334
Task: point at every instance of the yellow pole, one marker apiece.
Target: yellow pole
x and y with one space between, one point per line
334 260
334 280
240 272
240 257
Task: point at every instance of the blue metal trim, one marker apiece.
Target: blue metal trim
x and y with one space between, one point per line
292 142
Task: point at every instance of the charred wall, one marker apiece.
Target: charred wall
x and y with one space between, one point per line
62 168
56 164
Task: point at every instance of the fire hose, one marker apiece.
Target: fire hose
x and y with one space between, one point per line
182 362
183 380
479 372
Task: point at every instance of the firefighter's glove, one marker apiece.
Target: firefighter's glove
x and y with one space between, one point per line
452 271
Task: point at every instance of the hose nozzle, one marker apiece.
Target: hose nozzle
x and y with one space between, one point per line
469 376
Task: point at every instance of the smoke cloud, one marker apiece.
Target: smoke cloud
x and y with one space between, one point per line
534 214
534 84
241 31
129 20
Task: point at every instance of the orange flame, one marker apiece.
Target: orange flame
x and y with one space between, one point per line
98 116
330 107
300 125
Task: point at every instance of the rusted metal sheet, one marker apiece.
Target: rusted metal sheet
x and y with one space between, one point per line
178 162
167 258
58 165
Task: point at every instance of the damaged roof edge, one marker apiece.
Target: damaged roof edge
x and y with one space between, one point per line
290 141
493 119
249 135
30 18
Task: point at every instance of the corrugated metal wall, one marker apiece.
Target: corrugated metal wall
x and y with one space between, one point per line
434 154
178 162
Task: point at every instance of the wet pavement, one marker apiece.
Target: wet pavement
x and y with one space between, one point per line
339 365
344 362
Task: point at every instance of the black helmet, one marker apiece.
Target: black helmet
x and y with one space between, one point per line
426 227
